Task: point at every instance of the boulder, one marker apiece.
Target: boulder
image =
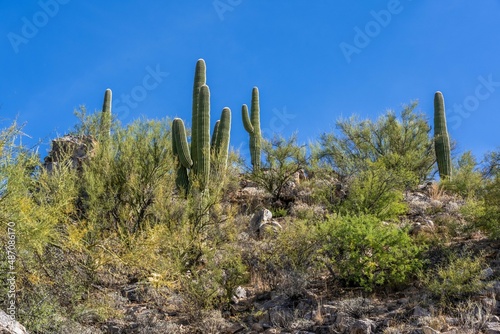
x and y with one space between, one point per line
9 325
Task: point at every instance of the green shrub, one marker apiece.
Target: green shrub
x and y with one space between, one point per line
286 262
458 278
377 191
401 144
487 211
467 181
364 251
283 158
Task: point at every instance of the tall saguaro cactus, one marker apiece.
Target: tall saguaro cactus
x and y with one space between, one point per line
441 138
200 78
252 126
105 126
197 158
203 136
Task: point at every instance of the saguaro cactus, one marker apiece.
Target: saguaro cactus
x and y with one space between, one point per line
203 137
441 138
252 126
105 126
197 158
180 149
200 78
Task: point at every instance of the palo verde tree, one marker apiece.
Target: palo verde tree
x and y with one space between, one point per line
399 143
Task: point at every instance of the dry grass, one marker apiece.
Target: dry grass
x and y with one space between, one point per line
436 191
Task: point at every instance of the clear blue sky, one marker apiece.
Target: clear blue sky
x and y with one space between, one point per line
313 61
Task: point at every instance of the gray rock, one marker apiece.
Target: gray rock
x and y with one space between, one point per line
492 328
363 326
239 294
343 321
9 325
262 220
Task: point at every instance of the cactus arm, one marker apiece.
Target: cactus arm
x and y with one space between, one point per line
200 78
181 144
222 143
203 145
255 109
215 135
246 119
441 138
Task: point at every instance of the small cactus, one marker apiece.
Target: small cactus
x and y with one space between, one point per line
252 126
441 138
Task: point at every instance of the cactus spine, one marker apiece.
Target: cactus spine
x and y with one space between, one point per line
105 126
197 158
252 126
441 138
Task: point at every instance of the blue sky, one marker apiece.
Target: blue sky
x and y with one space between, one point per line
313 61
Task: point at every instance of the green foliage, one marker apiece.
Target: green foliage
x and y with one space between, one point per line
288 260
123 184
364 251
490 219
486 211
400 144
467 181
441 138
37 206
458 278
283 159
492 164
377 191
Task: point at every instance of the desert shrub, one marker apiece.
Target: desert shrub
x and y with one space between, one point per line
128 179
377 191
364 251
467 180
487 208
282 159
489 220
35 209
286 262
400 144
458 277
